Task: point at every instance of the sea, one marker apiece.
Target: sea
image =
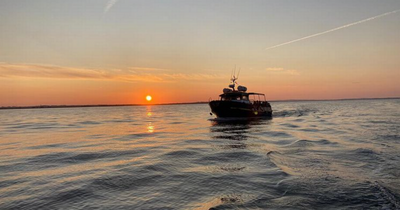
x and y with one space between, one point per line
309 155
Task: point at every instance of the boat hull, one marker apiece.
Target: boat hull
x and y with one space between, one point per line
240 109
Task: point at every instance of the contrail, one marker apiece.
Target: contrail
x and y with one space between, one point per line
332 30
109 5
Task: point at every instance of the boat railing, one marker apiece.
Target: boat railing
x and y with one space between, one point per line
257 97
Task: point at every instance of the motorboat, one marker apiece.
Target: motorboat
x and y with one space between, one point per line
239 103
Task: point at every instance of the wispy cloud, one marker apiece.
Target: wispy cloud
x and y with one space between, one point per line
109 5
142 69
194 77
283 71
332 30
13 71
49 71
274 69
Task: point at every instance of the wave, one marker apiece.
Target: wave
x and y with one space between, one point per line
294 112
388 195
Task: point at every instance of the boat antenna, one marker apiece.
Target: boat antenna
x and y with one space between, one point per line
234 72
238 73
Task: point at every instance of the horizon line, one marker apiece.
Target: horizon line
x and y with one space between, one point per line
178 103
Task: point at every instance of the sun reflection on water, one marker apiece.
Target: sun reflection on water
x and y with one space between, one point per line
150 128
148 111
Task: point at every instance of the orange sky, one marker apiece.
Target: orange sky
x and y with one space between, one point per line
72 87
94 52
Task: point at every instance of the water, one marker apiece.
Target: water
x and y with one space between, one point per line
311 155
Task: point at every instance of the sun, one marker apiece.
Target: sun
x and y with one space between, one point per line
148 98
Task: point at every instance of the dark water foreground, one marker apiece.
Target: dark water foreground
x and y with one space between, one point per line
311 155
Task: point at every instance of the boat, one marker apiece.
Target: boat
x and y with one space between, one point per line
238 103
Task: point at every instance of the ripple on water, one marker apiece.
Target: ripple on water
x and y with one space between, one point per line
228 156
90 123
275 134
289 125
62 159
303 143
182 154
125 182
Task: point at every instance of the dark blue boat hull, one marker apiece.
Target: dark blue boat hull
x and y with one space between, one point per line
240 109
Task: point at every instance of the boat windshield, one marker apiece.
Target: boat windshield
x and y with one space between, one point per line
252 97
257 97
235 98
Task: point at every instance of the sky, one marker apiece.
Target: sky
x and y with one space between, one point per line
55 52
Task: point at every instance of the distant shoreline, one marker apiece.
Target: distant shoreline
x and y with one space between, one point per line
91 105
188 103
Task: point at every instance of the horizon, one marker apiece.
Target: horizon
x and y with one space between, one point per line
181 103
119 52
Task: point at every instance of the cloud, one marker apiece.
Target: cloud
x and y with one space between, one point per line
109 5
135 69
49 71
292 72
274 69
332 30
12 71
194 77
283 71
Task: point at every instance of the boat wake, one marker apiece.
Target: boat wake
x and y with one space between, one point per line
294 113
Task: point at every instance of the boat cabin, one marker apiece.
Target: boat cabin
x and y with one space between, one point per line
242 96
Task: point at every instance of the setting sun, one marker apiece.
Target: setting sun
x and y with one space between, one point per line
148 98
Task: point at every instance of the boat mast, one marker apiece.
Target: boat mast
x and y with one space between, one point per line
234 78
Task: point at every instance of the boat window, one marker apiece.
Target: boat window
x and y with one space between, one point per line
234 98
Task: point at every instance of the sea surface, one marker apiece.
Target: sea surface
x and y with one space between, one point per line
310 155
